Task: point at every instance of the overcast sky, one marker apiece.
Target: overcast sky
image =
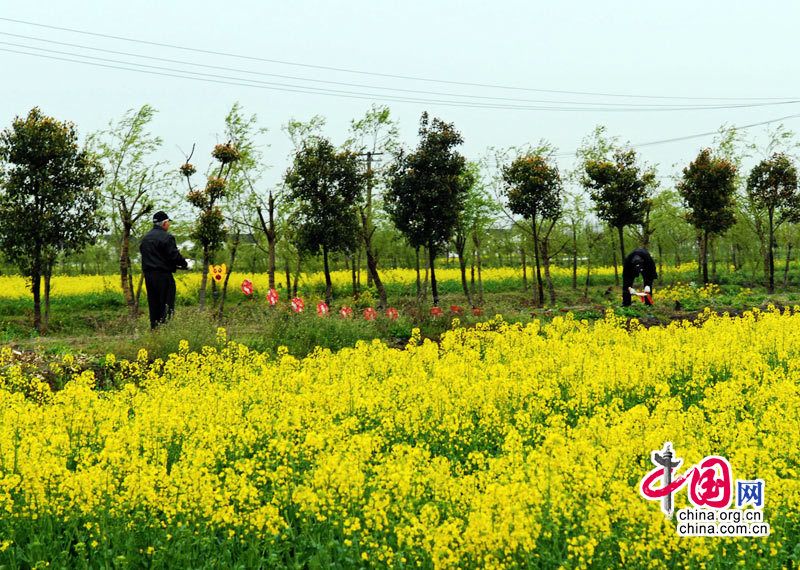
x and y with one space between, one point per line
714 49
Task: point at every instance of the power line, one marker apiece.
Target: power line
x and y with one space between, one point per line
358 85
238 81
385 75
695 136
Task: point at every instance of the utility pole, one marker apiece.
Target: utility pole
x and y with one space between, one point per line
369 155
368 230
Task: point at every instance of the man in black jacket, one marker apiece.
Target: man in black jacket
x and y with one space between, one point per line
638 262
160 259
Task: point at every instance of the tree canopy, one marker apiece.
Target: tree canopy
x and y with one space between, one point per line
427 189
49 197
324 186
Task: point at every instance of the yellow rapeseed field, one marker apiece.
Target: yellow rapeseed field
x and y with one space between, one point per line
14 286
502 446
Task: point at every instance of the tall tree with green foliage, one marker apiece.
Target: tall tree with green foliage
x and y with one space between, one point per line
619 188
533 191
126 150
324 186
772 188
49 199
427 189
708 189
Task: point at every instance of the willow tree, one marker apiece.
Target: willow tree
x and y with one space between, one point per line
126 150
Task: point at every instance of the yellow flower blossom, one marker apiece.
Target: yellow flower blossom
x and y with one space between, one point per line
504 445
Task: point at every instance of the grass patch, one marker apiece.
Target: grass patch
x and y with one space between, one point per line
99 323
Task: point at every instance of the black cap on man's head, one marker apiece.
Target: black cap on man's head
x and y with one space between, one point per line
160 217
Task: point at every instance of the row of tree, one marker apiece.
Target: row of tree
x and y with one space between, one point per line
349 203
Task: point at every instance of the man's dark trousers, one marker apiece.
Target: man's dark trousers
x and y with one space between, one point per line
160 296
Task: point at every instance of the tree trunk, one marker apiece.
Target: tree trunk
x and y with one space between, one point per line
125 267
48 273
419 282
427 271
588 273
372 269
472 277
367 231
461 244
699 254
704 256
296 275
271 233
771 286
353 275
271 264
432 260
366 218
786 266
713 260
524 269
36 289
328 284
765 263
539 284
621 241
138 294
477 243
614 259
574 258
546 262
288 276
369 271
201 295
358 272
232 261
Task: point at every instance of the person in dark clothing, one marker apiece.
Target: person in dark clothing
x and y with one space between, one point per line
160 259
638 262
